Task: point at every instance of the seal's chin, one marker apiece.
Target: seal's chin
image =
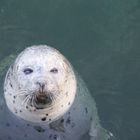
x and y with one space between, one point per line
42 100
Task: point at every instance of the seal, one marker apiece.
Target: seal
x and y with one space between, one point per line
40 81
44 94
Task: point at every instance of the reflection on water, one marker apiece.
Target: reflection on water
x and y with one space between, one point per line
100 38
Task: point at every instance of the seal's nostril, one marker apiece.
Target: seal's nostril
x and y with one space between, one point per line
41 85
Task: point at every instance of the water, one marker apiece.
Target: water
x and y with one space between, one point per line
100 38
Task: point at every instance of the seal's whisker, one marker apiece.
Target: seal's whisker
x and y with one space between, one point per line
22 90
27 98
32 100
24 101
19 94
35 98
53 96
27 101
22 93
56 95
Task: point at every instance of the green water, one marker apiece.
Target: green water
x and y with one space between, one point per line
101 38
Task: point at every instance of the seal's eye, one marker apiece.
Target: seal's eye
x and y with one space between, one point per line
54 70
27 71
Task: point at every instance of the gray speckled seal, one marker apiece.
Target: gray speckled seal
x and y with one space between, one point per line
46 99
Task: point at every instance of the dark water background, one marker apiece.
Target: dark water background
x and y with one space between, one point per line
101 38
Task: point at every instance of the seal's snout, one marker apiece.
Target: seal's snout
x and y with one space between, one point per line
41 100
42 95
41 85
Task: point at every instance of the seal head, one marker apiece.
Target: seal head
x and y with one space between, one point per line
40 85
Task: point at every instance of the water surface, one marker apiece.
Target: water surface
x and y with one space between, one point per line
101 39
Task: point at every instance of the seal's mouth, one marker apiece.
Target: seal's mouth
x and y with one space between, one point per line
42 100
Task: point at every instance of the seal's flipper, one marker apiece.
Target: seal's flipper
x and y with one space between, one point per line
102 134
97 132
